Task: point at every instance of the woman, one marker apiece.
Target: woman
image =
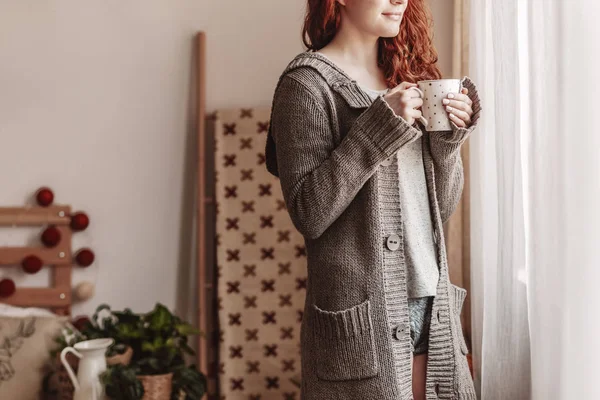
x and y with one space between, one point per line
369 190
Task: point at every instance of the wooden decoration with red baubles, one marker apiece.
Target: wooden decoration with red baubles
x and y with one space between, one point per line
7 287
60 223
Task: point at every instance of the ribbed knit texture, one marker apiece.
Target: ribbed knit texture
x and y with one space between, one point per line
345 334
394 267
422 269
326 141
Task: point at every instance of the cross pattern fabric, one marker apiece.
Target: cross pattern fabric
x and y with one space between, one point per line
261 264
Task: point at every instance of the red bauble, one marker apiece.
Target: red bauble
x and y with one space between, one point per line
44 196
32 264
7 287
51 236
79 221
84 257
81 322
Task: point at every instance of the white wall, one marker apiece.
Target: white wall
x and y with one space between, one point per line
96 101
443 16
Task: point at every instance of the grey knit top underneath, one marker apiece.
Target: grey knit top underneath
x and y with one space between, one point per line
421 265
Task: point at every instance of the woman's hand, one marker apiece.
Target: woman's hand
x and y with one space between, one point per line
405 101
458 106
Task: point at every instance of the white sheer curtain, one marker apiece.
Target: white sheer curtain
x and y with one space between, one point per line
535 193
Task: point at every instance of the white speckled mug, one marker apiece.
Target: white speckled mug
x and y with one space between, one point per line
434 115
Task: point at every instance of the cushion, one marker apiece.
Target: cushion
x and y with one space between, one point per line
25 345
6 310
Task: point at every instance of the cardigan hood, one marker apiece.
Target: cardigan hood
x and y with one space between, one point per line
335 78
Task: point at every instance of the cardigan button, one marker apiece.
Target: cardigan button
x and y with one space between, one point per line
435 236
387 161
393 242
398 332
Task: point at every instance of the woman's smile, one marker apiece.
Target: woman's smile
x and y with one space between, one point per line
393 16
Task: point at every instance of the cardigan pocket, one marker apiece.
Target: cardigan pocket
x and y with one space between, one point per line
344 343
459 297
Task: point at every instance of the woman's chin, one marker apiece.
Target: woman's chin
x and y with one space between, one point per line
390 33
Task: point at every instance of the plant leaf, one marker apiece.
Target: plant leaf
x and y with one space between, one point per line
186 329
160 318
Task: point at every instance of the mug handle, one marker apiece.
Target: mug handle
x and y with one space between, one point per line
421 119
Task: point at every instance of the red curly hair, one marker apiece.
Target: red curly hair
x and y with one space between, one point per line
410 56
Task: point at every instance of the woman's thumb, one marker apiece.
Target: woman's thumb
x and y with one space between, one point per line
406 85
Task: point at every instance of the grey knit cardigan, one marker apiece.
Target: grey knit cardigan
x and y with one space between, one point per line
326 141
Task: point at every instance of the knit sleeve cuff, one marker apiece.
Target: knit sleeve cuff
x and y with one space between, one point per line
388 131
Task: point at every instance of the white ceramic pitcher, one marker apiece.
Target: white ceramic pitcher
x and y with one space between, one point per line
92 363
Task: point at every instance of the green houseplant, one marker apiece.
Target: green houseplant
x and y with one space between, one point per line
121 383
159 340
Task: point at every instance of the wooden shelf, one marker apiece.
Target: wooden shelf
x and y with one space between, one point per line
40 297
59 259
35 215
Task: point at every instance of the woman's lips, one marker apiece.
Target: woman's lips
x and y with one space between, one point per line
395 17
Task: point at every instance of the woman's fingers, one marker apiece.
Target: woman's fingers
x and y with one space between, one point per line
416 114
408 93
458 120
411 99
460 97
459 105
415 102
403 86
462 115
406 85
